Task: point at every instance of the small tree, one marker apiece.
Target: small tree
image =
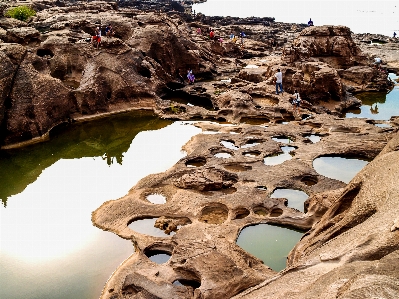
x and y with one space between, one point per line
21 13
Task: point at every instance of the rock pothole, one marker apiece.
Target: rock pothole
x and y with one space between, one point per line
216 213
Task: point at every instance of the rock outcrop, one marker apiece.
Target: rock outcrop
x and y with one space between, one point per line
214 198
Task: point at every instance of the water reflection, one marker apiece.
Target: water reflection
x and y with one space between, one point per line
339 168
49 247
147 227
296 198
108 138
269 243
377 105
279 158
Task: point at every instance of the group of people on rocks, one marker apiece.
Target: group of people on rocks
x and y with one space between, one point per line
233 38
96 38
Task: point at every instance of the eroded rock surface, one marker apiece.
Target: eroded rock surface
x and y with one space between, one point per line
203 250
62 78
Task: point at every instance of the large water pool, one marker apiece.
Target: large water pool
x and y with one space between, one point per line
49 247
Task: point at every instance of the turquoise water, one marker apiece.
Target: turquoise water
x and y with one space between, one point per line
269 243
49 247
354 14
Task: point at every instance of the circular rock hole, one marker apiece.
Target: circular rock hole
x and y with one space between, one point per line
230 190
251 143
237 167
224 155
187 283
252 154
261 211
276 212
158 256
156 198
241 213
196 162
215 214
283 139
44 52
309 180
229 144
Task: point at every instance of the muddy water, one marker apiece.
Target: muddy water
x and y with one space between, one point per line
49 247
269 243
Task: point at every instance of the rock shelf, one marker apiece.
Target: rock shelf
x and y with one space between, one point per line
52 75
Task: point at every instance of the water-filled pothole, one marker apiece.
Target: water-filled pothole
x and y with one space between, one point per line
214 214
283 139
252 154
279 158
269 243
377 105
156 198
158 256
228 144
196 162
147 226
223 155
383 125
313 138
251 143
296 198
339 168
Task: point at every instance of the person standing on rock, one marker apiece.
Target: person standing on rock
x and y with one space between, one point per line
310 23
97 37
211 35
296 102
394 35
278 77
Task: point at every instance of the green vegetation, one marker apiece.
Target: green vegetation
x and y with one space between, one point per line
21 13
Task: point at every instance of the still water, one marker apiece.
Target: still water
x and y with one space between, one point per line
269 243
377 105
296 198
355 14
339 168
49 247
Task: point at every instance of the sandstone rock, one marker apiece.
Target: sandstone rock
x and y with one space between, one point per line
22 35
206 179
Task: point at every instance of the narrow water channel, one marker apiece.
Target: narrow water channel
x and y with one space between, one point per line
49 247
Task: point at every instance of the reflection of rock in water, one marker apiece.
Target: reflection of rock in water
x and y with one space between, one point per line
374 110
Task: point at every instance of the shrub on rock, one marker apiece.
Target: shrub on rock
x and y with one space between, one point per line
21 13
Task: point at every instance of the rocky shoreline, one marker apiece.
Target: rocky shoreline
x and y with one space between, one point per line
52 75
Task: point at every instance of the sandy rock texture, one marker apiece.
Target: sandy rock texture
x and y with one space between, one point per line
352 252
62 77
222 186
51 74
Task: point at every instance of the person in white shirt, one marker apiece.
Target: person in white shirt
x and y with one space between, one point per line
279 81
296 101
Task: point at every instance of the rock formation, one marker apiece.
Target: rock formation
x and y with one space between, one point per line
51 74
